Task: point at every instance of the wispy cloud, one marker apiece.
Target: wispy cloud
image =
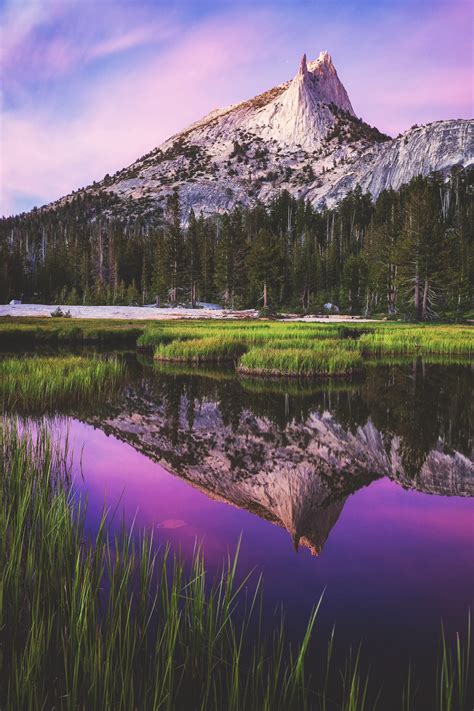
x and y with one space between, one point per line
45 40
124 115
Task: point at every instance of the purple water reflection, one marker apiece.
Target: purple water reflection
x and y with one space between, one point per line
395 562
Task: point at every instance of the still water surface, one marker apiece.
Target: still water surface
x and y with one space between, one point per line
361 490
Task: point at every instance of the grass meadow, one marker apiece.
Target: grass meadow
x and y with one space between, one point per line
255 347
303 349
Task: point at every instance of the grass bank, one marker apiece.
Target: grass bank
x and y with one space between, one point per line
299 362
302 349
309 349
420 340
213 349
31 331
42 384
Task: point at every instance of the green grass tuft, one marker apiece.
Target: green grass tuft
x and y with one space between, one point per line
40 383
299 362
200 350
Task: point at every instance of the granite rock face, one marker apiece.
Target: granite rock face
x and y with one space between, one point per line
302 136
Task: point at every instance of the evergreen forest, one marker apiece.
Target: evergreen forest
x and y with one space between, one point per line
409 253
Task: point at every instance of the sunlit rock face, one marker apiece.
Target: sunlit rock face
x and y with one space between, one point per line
302 136
303 114
419 151
330 89
297 475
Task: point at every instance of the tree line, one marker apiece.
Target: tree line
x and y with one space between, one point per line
409 252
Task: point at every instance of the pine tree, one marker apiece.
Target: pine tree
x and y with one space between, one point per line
381 247
207 242
193 258
174 246
420 247
264 265
160 271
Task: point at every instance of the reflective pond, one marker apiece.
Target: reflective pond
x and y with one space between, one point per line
361 490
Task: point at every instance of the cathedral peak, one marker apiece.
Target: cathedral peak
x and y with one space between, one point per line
301 136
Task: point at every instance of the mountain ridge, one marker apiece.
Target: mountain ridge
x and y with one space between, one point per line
301 136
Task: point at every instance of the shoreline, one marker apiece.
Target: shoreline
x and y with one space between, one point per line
145 313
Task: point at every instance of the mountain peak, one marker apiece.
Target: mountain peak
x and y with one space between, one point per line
302 136
324 57
300 115
330 88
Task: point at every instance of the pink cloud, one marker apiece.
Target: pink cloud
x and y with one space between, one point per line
421 72
136 37
127 114
44 40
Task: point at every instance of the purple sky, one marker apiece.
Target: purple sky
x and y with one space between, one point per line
90 85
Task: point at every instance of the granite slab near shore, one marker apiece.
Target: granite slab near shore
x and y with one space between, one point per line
154 314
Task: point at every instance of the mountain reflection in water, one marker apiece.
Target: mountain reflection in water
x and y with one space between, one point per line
293 452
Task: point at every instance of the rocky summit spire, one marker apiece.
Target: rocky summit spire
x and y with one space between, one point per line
304 113
330 88
303 65
324 58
